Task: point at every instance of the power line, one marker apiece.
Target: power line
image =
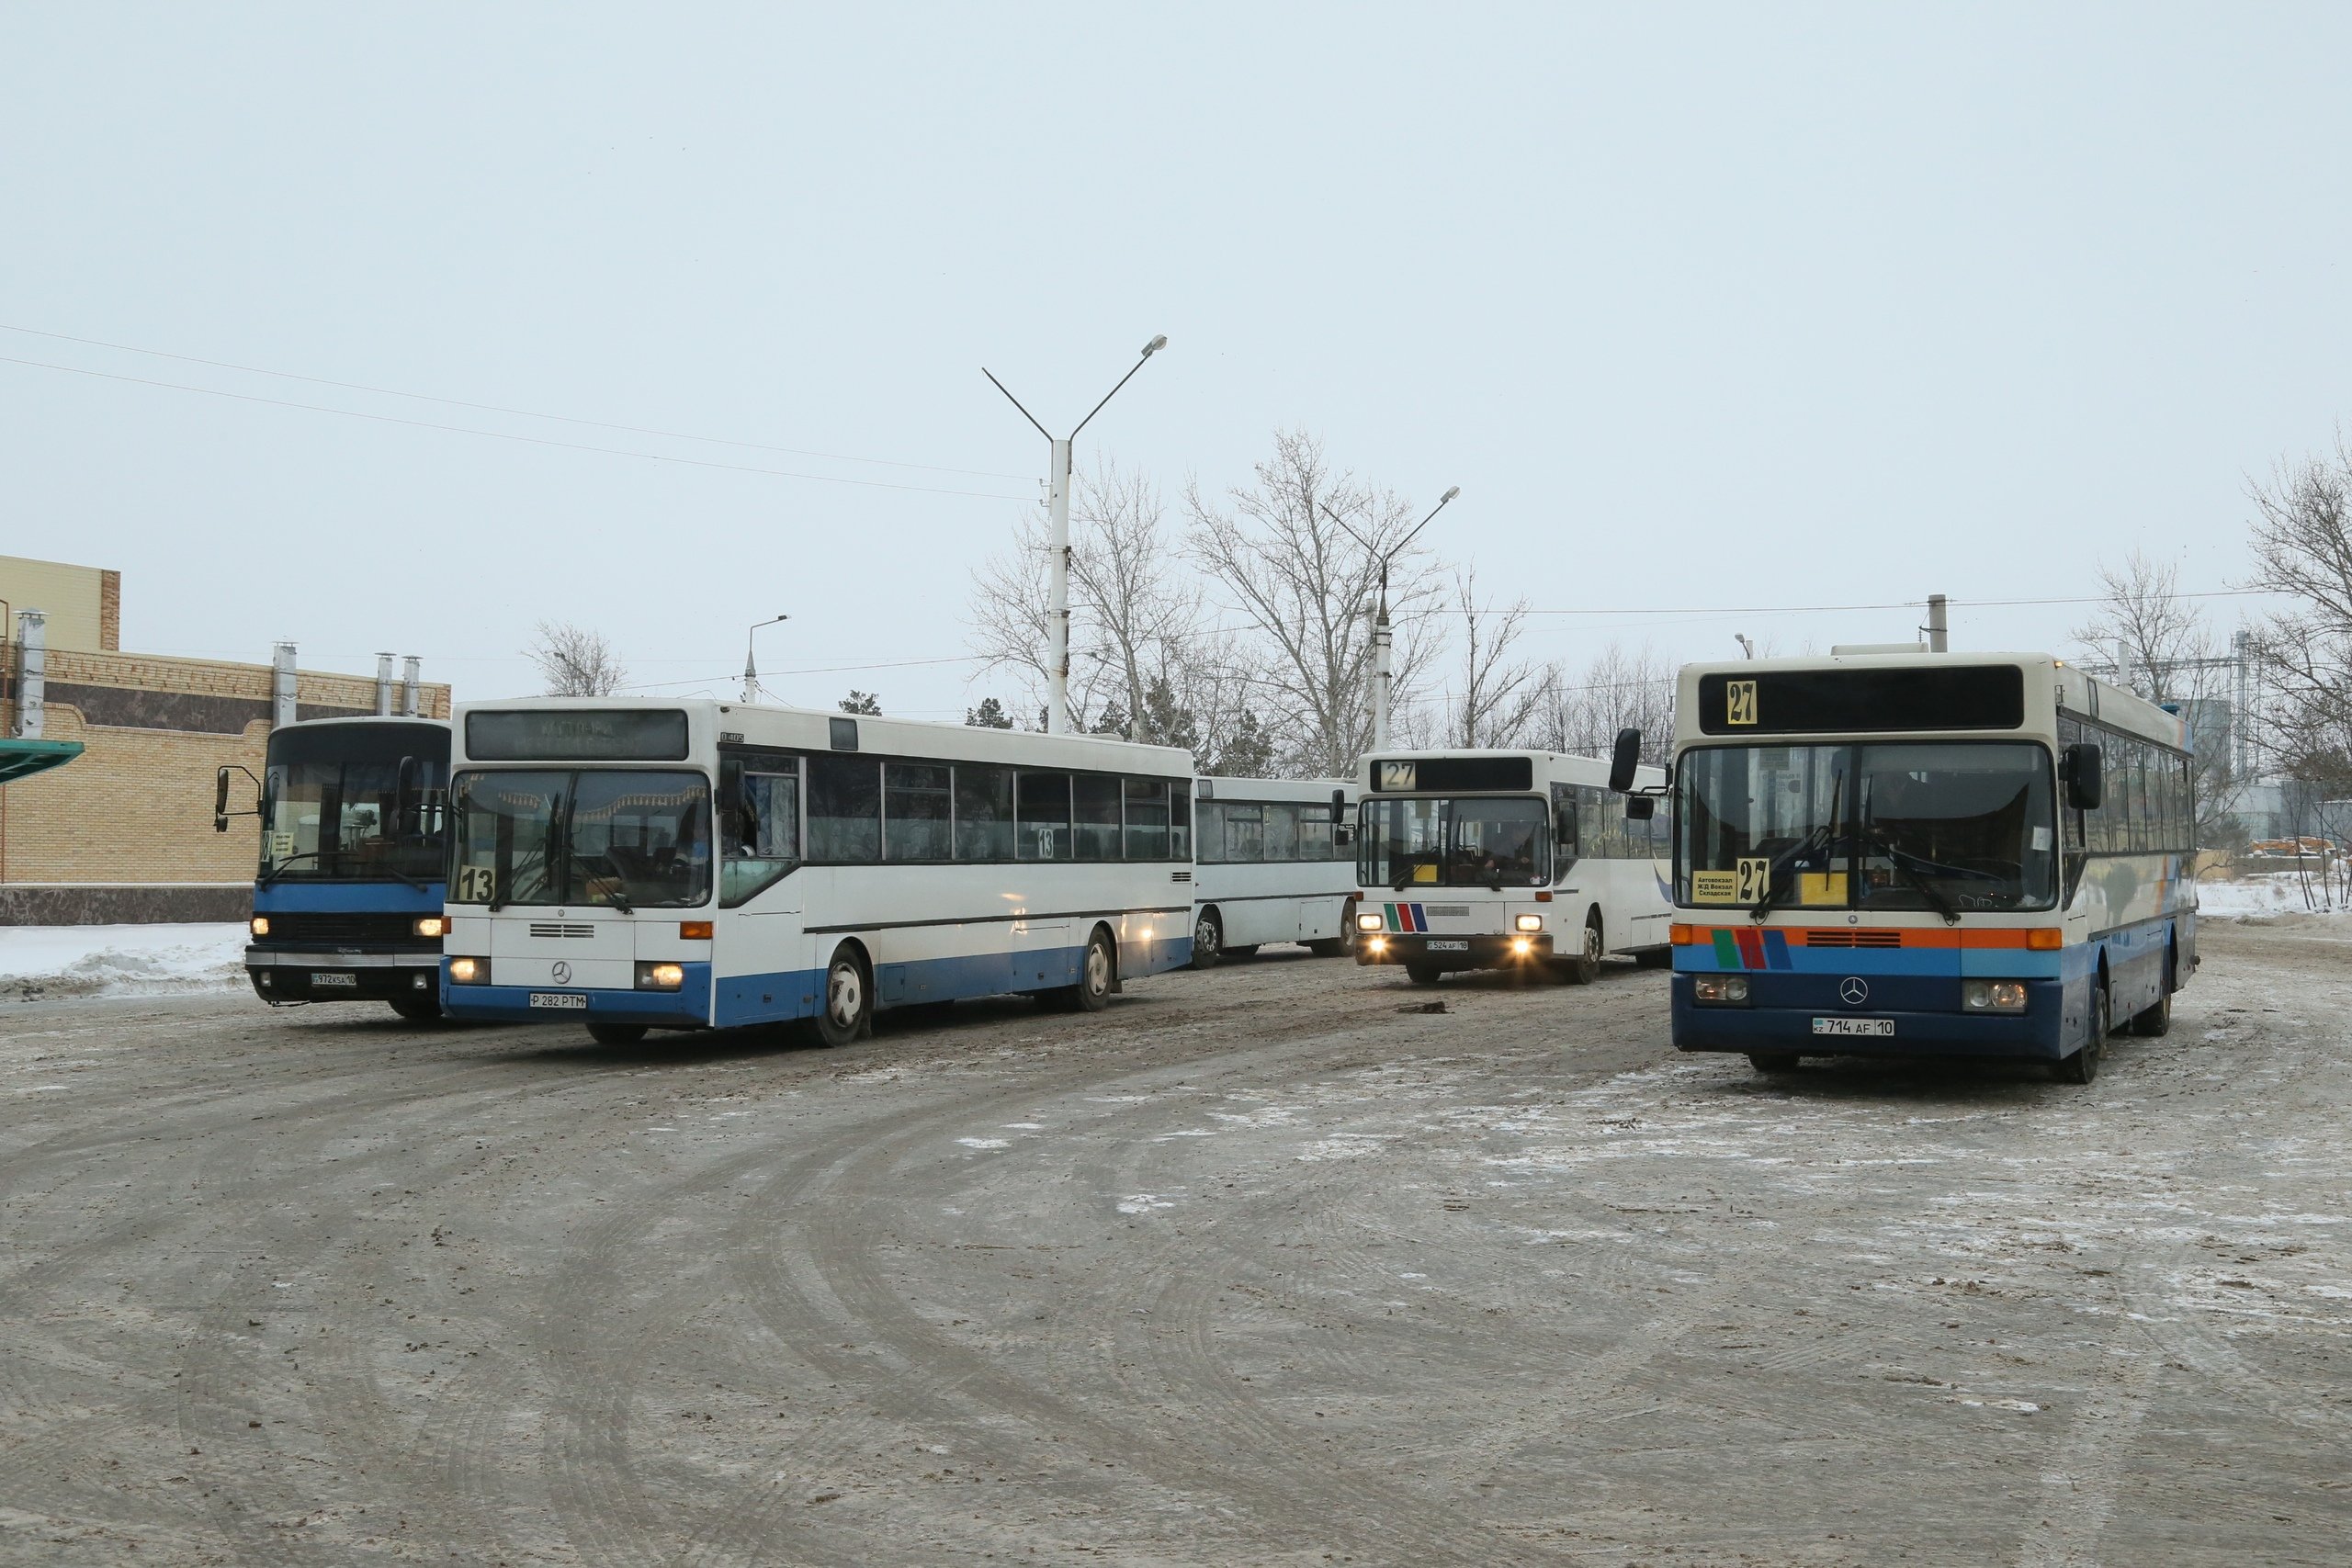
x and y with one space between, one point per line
507 435
499 408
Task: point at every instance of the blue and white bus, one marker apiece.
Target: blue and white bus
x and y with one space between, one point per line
699 865
1927 854
1275 864
1519 860
347 903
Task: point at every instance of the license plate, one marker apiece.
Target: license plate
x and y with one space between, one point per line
334 977
573 1000
1853 1026
1449 947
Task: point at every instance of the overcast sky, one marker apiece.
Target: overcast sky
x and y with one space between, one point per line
1703 308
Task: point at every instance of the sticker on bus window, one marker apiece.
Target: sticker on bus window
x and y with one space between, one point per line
1425 873
2041 838
476 885
1820 887
1755 879
1714 886
1739 701
280 845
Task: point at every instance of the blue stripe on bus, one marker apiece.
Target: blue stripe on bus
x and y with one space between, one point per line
347 898
786 994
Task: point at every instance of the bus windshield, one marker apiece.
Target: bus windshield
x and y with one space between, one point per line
1943 825
1455 841
612 836
330 803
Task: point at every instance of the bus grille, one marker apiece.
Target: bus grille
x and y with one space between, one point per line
305 926
1854 938
550 928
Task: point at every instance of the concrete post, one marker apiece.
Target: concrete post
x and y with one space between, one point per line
281 683
32 672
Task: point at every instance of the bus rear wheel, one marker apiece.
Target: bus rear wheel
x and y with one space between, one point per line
605 1031
1208 939
847 1016
2154 1022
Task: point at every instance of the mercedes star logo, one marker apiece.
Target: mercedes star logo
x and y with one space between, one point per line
1854 990
563 975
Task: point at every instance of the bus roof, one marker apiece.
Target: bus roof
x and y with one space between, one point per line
2074 689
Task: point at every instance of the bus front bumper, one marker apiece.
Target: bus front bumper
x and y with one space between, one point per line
688 1007
1921 1025
1441 952
295 974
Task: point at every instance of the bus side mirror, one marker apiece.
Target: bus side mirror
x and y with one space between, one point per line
2084 767
1342 832
1624 759
1640 807
220 801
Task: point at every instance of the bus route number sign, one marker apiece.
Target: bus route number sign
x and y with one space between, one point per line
1397 775
1745 883
475 884
1739 701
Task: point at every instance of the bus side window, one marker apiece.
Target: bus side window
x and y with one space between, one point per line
845 809
915 811
1179 820
1315 836
1098 817
983 812
1280 842
1245 836
1041 802
1147 818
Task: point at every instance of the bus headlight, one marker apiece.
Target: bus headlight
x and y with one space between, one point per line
1529 923
469 971
661 976
1719 990
260 925
1369 922
1992 996
431 925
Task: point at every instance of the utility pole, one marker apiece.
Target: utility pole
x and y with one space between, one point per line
1938 624
750 672
1381 637
1058 567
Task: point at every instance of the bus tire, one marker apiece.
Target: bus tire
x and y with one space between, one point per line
610 1031
1421 974
1773 1061
1583 967
1344 944
1098 976
846 1015
1208 938
421 1006
2154 1023
2083 1065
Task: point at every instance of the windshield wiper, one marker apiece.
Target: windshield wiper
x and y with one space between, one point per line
1928 890
274 872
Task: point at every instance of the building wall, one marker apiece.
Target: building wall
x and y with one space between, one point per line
136 806
82 604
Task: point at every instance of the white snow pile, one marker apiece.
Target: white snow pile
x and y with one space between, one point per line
37 962
2254 897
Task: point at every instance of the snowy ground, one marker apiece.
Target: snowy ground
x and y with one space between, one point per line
40 962
2267 894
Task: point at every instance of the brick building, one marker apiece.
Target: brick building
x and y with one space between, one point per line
123 830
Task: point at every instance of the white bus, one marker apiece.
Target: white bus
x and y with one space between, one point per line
1507 860
1920 855
700 864
1275 862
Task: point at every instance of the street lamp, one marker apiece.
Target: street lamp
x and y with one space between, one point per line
1380 633
1058 506
750 675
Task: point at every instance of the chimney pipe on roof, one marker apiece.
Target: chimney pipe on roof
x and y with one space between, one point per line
281 685
32 672
408 683
383 686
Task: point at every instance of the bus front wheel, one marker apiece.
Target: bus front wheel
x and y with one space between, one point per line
1773 1061
1584 969
418 1007
1098 973
1422 974
2083 1065
848 1013
605 1033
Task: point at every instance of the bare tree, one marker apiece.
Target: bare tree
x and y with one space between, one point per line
1307 590
1581 715
2302 549
1499 694
2154 639
574 661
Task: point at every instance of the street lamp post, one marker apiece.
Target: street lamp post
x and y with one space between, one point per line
752 675
1058 571
1381 637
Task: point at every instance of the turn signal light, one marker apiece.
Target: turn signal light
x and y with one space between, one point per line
431 925
1682 936
260 924
2048 939
694 930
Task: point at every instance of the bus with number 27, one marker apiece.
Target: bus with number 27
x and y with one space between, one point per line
697 864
